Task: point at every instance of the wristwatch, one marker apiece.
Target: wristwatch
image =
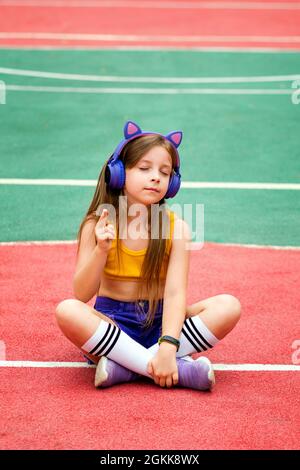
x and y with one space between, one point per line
169 339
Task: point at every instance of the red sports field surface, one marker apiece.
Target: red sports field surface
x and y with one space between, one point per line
188 27
58 407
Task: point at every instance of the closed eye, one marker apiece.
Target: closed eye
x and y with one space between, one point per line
166 174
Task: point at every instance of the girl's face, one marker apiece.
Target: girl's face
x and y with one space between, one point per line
153 170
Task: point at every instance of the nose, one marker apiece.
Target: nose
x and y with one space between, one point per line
155 176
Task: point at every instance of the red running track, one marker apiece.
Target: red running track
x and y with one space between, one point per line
60 409
37 278
177 27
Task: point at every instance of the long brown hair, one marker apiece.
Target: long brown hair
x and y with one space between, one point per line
156 250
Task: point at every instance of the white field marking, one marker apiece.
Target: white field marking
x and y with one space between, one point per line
184 184
154 38
272 247
74 242
58 47
116 79
228 185
151 91
220 367
256 367
213 5
48 182
40 242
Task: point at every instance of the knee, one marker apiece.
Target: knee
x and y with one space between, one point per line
66 310
230 308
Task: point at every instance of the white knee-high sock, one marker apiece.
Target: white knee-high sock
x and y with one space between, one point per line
108 340
194 337
187 358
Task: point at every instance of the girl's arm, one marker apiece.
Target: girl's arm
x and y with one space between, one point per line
175 294
90 264
163 366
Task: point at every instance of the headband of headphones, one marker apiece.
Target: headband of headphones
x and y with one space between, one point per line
132 131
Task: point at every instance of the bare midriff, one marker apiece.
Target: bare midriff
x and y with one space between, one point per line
125 291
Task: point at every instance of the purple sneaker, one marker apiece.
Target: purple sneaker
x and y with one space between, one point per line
109 372
198 374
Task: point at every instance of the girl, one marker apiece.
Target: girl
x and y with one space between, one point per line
140 323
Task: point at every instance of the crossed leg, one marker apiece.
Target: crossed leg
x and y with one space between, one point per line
78 321
219 313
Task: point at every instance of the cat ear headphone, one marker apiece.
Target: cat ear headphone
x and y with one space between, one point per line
115 170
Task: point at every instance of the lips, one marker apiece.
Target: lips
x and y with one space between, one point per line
153 189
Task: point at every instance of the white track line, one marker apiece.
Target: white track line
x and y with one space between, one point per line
221 367
184 184
259 50
151 91
141 38
213 5
40 242
228 185
47 182
271 247
116 79
74 242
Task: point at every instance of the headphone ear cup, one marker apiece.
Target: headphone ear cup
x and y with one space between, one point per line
115 175
174 186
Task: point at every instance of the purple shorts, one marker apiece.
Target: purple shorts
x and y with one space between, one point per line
130 321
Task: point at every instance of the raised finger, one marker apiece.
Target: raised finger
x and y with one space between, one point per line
103 218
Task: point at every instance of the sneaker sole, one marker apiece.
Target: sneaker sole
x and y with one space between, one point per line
211 374
101 374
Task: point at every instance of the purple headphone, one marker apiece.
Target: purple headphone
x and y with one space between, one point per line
115 171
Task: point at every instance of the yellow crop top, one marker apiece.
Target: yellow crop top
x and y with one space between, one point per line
131 260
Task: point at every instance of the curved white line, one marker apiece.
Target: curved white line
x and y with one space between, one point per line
113 78
151 91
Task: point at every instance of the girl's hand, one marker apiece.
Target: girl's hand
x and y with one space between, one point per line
163 366
104 232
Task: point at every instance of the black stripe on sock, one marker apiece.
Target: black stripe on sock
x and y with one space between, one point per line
102 339
190 340
191 333
114 342
197 331
101 350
